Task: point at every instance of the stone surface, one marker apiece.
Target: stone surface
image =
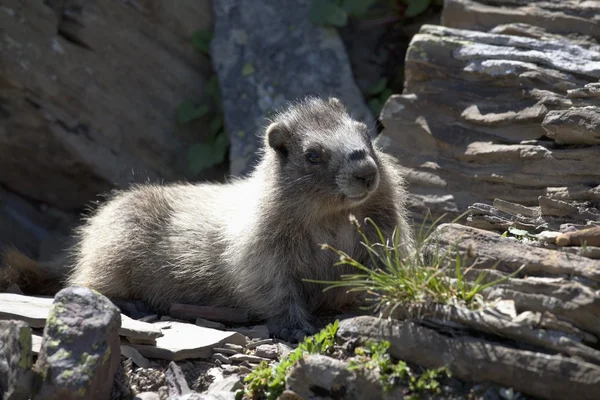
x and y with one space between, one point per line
549 376
569 17
71 108
176 381
182 340
506 120
34 310
268 53
267 351
147 396
230 383
135 356
80 351
209 324
319 375
16 377
247 357
551 215
254 332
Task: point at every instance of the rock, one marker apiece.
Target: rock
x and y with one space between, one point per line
14 289
247 357
235 347
80 350
577 125
589 237
135 356
284 350
176 381
27 226
36 342
225 351
521 328
566 17
226 384
209 324
549 376
267 351
34 310
147 396
258 342
266 54
254 332
490 248
289 395
97 137
16 378
221 358
479 134
324 376
219 314
181 341
230 369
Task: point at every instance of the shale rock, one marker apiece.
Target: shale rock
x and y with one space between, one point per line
548 376
318 375
488 115
80 351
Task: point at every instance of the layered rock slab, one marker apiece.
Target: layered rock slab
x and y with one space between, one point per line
490 115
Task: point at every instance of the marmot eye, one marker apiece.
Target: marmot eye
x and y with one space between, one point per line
313 157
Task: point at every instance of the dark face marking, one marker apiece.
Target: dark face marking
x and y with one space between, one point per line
324 155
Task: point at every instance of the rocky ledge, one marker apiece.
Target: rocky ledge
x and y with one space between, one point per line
534 331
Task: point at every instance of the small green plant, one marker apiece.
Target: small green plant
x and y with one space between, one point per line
398 278
374 356
214 150
268 382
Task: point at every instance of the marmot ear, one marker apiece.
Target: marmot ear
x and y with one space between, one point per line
278 138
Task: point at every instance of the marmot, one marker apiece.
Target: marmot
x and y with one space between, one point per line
251 241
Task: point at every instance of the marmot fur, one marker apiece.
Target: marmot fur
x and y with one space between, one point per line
250 242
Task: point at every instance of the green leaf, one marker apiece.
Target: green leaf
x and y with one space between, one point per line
201 41
204 155
416 7
187 112
378 86
327 12
357 8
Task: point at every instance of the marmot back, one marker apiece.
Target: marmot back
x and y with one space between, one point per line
250 242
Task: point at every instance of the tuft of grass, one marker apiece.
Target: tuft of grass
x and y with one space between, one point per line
268 382
374 356
393 277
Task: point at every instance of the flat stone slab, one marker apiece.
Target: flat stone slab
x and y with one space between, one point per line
181 341
34 311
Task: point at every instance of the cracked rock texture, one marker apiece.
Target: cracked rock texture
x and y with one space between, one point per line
80 351
499 109
88 97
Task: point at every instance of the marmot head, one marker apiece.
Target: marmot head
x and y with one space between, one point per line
324 154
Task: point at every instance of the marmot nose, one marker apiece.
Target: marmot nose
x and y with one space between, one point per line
366 175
